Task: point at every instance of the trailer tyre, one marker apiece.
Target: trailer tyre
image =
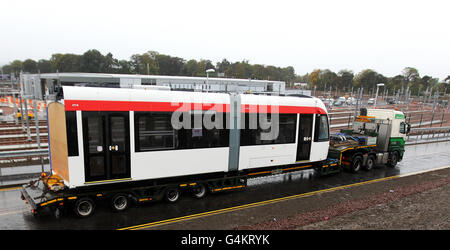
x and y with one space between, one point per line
370 163
172 195
356 164
119 202
84 207
199 191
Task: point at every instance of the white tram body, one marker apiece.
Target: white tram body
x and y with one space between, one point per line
105 135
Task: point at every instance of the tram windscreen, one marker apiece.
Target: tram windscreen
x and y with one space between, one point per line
321 130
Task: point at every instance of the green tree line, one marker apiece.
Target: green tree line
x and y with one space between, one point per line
154 63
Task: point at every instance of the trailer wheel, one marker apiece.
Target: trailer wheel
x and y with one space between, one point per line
84 207
370 163
393 159
172 195
199 191
119 202
356 164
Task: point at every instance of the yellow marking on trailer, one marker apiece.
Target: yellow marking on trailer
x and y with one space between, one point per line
183 185
99 195
92 182
299 167
227 188
366 146
10 188
192 184
346 149
71 198
263 172
49 202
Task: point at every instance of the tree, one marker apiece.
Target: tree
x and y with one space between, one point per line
148 63
368 79
16 67
224 66
44 66
410 75
168 65
29 66
314 78
288 75
345 78
66 62
111 64
328 78
395 83
93 61
125 67
191 68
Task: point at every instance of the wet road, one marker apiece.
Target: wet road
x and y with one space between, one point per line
14 214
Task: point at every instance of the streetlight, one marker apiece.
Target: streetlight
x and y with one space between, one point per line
376 95
207 77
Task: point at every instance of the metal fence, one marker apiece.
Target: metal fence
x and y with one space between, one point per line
426 135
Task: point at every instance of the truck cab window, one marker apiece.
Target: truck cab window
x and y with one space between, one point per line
402 128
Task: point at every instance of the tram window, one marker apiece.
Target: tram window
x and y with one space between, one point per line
153 131
321 128
252 135
71 131
201 136
287 129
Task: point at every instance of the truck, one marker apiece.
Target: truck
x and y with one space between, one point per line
121 146
376 138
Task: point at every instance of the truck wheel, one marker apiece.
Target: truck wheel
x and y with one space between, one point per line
356 164
84 207
119 202
172 195
370 163
199 191
393 159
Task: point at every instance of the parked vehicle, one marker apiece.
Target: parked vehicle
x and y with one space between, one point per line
351 101
392 101
338 102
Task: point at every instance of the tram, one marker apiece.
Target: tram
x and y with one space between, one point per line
147 144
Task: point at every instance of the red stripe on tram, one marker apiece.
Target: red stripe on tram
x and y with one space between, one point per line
94 105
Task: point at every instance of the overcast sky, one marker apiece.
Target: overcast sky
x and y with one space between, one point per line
385 36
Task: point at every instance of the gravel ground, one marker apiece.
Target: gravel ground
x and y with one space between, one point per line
422 211
418 203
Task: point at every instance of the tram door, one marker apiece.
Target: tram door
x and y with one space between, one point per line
106 138
304 137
